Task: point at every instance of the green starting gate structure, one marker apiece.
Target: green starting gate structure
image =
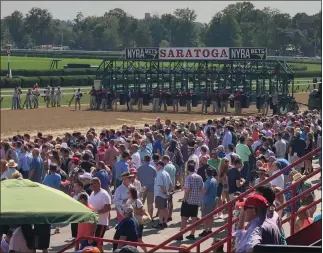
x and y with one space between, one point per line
145 69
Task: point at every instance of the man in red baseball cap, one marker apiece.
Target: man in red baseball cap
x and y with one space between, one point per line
259 229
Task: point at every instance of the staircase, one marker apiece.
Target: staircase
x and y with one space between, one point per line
196 246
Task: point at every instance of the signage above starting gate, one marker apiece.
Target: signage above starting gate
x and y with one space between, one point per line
196 53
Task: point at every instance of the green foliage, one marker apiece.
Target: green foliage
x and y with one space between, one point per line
27 82
239 24
44 81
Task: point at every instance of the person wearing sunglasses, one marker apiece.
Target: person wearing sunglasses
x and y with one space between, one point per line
259 230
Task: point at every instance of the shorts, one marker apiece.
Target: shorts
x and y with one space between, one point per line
180 170
188 210
99 232
160 203
42 236
149 196
206 209
141 229
219 190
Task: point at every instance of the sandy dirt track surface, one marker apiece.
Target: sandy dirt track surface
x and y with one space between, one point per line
56 121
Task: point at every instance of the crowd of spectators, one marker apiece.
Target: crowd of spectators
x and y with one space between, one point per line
138 170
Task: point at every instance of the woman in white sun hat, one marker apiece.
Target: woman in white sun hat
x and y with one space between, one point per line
12 168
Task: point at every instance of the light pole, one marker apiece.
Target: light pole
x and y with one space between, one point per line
8 53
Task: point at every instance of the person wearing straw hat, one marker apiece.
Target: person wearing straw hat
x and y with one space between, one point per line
310 197
262 175
12 168
121 194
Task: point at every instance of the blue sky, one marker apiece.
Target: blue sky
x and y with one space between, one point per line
204 9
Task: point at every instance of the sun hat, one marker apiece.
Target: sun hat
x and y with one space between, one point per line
255 200
126 174
12 164
297 176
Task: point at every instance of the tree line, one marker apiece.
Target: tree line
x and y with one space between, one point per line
238 25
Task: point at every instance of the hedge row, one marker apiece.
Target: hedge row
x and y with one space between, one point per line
56 55
88 80
44 81
51 72
311 74
299 72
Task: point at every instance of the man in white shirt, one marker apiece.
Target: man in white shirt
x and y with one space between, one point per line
135 156
101 202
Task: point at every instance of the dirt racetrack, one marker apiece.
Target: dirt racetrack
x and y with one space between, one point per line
56 121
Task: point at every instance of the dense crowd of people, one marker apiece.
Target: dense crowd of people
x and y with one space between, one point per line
138 171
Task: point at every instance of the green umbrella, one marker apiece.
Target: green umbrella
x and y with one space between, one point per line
27 202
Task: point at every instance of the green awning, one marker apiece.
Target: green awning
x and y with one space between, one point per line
26 202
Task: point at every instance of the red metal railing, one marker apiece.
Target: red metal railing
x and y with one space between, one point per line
136 244
230 205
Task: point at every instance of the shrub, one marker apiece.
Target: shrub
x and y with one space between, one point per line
55 81
44 81
12 82
74 80
28 82
300 74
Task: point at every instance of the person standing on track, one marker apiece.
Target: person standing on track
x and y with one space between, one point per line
92 98
78 95
156 100
224 101
35 96
29 97
188 101
58 97
14 103
214 101
175 96
47 96
140 96
104 101
52 97
114 103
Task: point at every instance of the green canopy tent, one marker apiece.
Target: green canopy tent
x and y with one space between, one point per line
26 202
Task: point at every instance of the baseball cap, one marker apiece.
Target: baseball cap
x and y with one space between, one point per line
255 200
86 175
133 171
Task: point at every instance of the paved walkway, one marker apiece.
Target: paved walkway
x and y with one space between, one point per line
154 236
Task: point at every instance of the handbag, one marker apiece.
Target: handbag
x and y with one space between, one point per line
142 217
